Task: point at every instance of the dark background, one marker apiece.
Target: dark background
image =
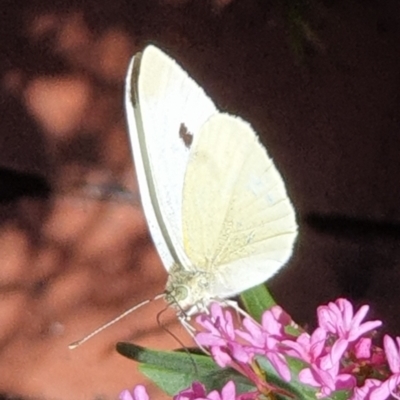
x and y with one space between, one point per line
318 80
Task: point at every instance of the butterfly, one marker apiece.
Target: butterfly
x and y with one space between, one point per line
216 206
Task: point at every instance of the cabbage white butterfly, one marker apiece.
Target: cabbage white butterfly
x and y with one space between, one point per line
216 206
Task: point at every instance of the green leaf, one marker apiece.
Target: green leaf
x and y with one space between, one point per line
256 300
173 360
174 371
340 395
170 381
173 382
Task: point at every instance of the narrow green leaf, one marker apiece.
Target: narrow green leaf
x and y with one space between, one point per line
174 371
171 382
256 300
178 361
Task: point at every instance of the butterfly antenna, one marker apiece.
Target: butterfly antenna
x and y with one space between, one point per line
162 326
76 344
176 303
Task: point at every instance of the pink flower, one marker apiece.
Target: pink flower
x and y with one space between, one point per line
228 392
387 389
219 325
261 342
198 392
220 336
222 339
374 389
327 380
265 339
338 318
362 348
337 355
324 361
390 387
307 348
364 392
274 322
138 393
392 353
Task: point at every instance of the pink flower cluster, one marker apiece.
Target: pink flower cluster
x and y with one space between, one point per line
236 348
338 355
337 350
196 392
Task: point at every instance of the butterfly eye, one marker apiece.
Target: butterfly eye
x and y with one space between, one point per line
177 294
181 292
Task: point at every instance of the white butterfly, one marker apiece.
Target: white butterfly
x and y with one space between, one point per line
216 206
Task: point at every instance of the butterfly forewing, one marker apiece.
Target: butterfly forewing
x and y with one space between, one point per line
238 222
167 110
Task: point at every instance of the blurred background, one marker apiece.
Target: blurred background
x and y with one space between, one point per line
320 82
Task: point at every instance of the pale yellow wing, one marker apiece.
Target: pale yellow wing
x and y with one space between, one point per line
163 105
238 222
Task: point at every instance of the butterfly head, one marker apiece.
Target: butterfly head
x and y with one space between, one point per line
185 289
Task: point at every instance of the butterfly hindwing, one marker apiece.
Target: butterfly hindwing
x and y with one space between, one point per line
238 221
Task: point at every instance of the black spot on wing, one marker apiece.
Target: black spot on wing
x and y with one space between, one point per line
185 135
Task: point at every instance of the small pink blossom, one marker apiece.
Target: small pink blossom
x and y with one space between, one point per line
374 389
323 372
390 387
392 353
138 393
228 392
326 380
362 348
274 322
307 347
220 336
387 389
364 392
339 319
222 339
260 342
219 327
198 392
265 339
